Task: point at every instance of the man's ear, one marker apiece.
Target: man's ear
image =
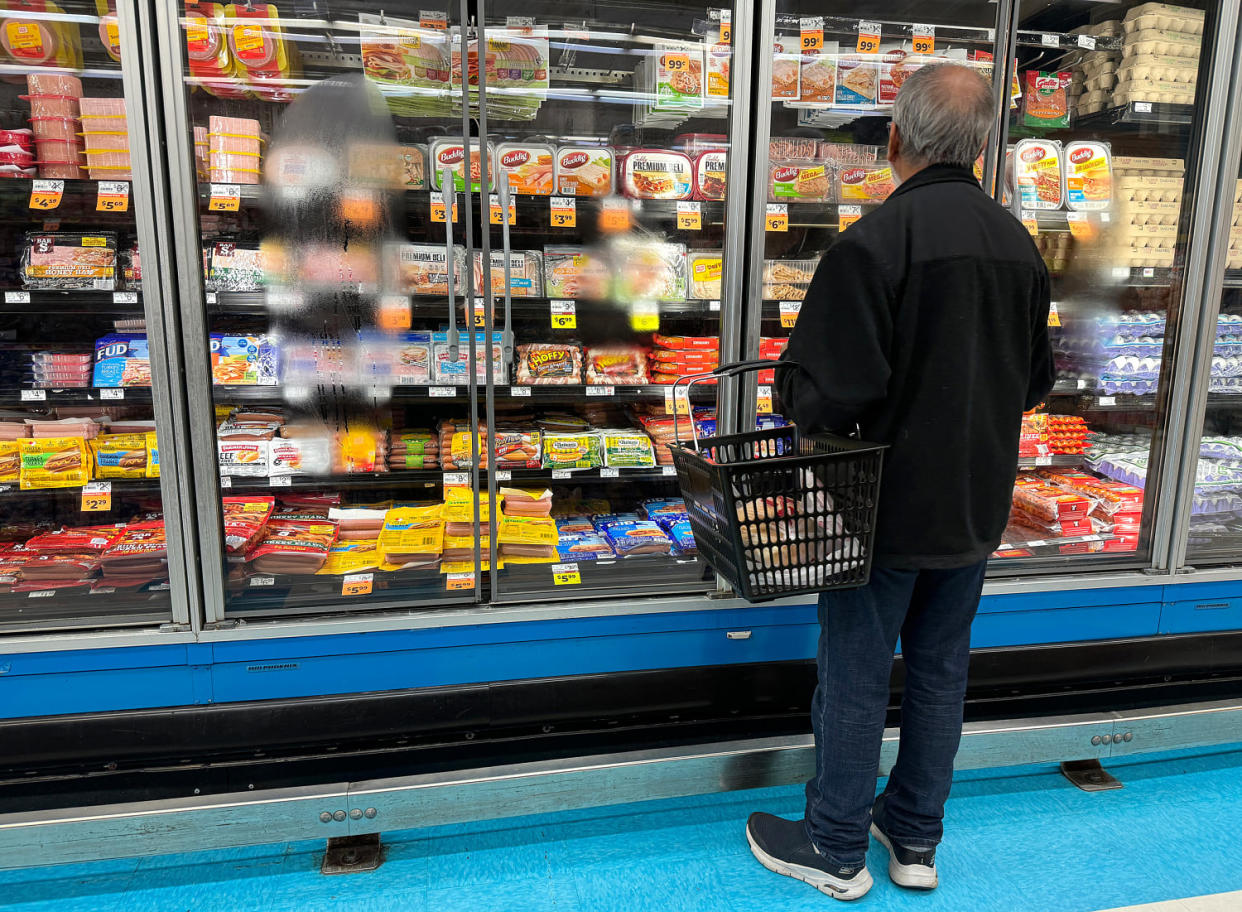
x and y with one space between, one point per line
894 142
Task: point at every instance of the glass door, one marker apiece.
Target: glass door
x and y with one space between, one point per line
83 541
333 219
1107 94
611 131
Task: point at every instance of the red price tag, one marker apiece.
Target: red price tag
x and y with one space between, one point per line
868 38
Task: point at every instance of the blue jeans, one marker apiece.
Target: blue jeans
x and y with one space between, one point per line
932 611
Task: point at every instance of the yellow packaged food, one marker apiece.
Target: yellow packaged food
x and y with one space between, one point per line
411 535
120 455
515 559
54 462
466 566
527 530
10 461
459 505
153 456
571 451
352 556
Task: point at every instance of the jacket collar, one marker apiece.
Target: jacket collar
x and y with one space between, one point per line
937 174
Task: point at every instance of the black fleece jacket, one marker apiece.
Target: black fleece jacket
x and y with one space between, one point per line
927 325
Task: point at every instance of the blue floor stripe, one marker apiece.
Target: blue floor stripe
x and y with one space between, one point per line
1019 840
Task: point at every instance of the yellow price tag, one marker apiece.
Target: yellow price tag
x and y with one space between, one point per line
113 196
847 215
679 404
357 584
645 321
1030 223
812 29
763 405
394 313
566 575
675 63
789 313
46 194
360 207
494 211
1054 316
1081 227
776 217
456 582
689 216
615 216
924 39
563 212
868 38
97 497
564 315
438 207
480 317
726 27
225 198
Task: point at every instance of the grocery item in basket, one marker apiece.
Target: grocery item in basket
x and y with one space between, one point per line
786 62
245 518
616 365
575 272
121 359
657 174
64 260
525 273
549 363
705 268
1037 167
711 175
1046 101
626 449
584 171
1088 175
421 269
447 152
866 183
54 462
799 181
858 80
530 166
571 451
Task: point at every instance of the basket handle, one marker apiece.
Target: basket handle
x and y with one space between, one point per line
726 370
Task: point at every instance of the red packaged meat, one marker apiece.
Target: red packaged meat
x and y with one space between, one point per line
616 365
293 543
687 343
549 363
139 554
245 519
1048 502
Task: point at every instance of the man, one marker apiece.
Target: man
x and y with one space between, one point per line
925 325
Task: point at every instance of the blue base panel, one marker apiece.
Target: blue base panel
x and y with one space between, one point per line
97 680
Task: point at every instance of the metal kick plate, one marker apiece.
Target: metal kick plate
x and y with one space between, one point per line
1089 776
352 854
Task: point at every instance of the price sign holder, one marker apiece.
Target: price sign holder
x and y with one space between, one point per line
563 212
689 215
645 320
725 36
789 313
439 207
457 582
564 314
97 497
923 38
812 31
46 194
776 217
112 392
763 405
566 575
113 196
679 405
394 313
615 215
868 37
357 583
1054 316
224 198
847 215
494 213
1030 223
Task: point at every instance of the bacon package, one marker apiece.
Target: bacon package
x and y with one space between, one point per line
552 363
616 365
293 543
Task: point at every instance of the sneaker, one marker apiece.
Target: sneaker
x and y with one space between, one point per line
782 847
906 867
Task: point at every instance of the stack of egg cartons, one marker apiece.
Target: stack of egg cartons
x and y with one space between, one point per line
1159 55
107 139
1094 71
1235 230
53 101
234 155
1149 201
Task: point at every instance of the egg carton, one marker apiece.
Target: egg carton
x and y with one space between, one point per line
1109 28
1148 259
1163 16
1096 63
1138 213
1155 42
1154 92
1160 68
1146 164
1103 83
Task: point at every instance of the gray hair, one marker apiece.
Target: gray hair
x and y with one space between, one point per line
943 113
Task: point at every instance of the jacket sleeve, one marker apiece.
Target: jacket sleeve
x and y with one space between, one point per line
840 342
1043 368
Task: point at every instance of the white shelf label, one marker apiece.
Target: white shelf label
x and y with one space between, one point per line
1107 400
34 395
560 474
670 470
609 473
441 392
1050 40
504 475
42 593
1043 460
519 392
457 479
1121 272
1142 107
1148 272
601 390
17 297
713 306
1082 383
257 581
1086 42
124 297
226 481
211 297
280 481
112 392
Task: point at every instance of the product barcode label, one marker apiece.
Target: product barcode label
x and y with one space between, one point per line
1107 400
124 297
42 593
441 392
519 392
609 473
112 392
601 390
504 475
1142 107
280 481
34 395
257 581
561 474
670 470
17 297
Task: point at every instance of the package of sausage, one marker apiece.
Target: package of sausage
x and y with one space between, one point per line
571 451
551 363
245 518
616 365
293 543
54 462
634 537
585 545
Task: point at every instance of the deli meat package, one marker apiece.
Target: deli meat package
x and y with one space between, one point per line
63 260
584 171
657 174
293 543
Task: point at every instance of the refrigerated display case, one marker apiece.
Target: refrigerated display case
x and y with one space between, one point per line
371 224
85 425
1096 129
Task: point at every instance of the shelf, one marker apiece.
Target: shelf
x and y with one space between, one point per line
1140 114
75 396
1050 462
701 392
43 303
435 477
1044 544
433 307
120 487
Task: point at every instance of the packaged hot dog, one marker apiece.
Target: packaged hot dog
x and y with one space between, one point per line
120 455
657 174
584 171
584 545
244 521
527 530
571 451
687 343
293 543
54 462
616 365
411 537
635 537
625 449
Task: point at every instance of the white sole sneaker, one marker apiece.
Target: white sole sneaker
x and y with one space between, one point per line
912 877
847 890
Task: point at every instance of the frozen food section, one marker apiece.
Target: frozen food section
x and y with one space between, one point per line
82 530
372 224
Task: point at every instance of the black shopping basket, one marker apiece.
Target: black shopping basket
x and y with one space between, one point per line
779 512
